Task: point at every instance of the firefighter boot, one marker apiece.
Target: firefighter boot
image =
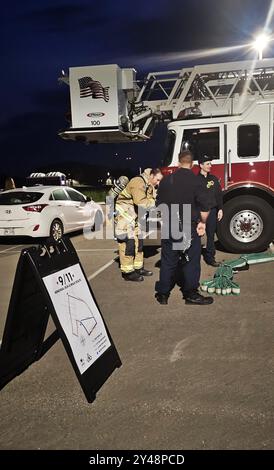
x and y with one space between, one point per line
133 276
143 272
161 298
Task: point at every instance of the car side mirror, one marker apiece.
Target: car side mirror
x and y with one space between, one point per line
88 199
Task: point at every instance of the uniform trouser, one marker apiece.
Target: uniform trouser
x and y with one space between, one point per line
131 253
188 273
211 225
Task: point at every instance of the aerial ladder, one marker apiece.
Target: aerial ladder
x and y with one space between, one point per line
225 110
108 104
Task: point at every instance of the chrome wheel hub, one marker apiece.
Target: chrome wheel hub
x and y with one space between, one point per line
246 226
56 231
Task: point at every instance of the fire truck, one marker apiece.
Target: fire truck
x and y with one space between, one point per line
224 111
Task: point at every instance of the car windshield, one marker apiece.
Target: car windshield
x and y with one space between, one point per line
19 197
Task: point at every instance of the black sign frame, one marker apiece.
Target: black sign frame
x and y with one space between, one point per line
30 307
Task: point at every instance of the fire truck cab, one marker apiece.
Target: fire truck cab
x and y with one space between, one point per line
243 159
225 111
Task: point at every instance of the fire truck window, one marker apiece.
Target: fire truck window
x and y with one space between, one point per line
202 141
169 148
249 140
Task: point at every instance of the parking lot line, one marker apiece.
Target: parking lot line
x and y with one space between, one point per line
92 276
96 249
105 266
10 248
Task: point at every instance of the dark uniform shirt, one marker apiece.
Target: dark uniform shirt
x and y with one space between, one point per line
213 188
183 187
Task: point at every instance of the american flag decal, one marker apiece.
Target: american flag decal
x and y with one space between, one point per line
93 88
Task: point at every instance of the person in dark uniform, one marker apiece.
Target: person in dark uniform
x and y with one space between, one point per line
182 202
215 196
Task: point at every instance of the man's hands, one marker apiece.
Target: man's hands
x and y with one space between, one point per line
201 227
220 215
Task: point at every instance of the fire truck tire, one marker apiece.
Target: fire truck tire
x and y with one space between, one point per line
247 225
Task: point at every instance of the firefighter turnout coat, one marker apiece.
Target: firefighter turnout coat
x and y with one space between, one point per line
137 195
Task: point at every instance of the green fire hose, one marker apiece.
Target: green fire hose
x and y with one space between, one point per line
222 282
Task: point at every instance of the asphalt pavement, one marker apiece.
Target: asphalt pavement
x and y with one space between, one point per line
191 378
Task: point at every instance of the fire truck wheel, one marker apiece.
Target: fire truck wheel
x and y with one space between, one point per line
247 225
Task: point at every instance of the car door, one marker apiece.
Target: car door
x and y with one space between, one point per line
63 209
81 207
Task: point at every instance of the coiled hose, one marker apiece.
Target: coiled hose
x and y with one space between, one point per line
222 282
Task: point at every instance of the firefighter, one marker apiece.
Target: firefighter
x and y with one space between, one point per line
9 183
214 191
181 192
138 196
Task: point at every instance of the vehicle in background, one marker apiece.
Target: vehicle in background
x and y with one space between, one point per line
53 178
47 211
224 111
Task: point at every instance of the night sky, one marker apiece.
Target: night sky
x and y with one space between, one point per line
40 38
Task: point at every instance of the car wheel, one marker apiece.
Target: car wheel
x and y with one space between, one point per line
247 225
56 230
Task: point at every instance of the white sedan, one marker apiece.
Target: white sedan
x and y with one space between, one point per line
43 211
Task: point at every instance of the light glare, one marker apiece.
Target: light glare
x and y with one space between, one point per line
260 43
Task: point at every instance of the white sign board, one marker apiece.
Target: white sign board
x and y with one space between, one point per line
94 96
78 315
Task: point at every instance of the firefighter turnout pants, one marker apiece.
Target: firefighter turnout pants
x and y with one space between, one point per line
131 252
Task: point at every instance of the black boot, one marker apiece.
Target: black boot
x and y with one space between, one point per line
133 276
143 272
194 298
162 298
213 262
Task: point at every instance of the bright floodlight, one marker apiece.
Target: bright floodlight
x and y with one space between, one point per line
261 43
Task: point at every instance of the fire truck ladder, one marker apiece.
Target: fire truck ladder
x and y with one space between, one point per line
201 91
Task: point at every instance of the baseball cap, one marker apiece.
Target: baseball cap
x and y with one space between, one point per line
204 159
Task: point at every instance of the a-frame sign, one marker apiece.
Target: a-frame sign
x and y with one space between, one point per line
50 280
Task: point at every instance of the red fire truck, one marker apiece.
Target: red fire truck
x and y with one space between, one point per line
225 111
